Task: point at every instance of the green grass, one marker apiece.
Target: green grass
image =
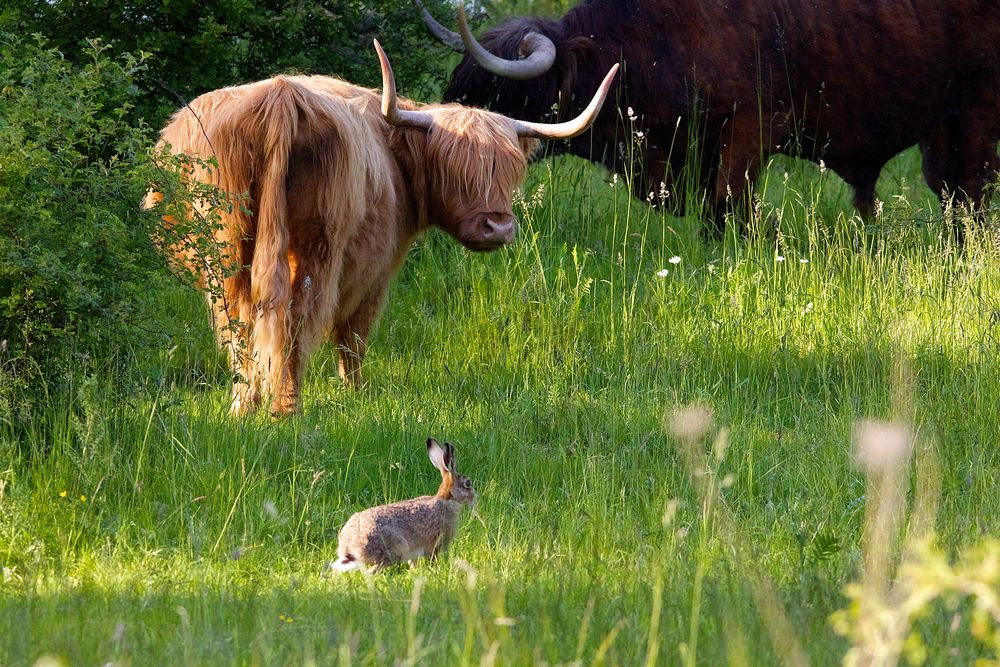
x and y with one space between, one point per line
551 365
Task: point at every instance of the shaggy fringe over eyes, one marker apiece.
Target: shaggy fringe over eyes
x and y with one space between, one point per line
476 155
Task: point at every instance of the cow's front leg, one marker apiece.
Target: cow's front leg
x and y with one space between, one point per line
745 144
352 348
351 338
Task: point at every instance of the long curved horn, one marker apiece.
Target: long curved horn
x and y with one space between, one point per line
570 128
390 107
447 37
538 50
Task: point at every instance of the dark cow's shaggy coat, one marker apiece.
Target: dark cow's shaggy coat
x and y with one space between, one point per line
852 82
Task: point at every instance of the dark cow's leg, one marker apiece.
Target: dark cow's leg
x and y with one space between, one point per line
740 163
978 169
940 159
936 155
862 178
959 160
655 175
713 209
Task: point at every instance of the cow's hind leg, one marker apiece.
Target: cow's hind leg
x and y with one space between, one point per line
232 312
314 298
959 160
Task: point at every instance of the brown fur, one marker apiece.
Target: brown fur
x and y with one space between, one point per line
335 197
422 527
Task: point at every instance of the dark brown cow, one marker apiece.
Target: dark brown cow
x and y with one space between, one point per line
338 186
852 82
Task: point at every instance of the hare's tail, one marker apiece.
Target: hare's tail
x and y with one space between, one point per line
346 563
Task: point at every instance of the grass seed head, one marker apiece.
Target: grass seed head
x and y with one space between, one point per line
880 446
690 423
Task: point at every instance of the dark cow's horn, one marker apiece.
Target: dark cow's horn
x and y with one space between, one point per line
537 50
447 37
390 105
570 128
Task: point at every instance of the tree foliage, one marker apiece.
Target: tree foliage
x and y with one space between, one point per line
199 46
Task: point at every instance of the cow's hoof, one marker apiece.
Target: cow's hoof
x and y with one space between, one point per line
283 407
244 403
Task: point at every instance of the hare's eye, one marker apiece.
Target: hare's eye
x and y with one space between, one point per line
467 484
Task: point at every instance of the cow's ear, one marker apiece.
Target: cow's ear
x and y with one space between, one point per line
529 146
574 51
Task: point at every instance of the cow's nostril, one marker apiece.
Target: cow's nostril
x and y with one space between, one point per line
499 230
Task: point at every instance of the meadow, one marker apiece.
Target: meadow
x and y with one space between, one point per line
155 529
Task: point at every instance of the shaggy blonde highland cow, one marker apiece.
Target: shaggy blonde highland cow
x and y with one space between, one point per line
329 189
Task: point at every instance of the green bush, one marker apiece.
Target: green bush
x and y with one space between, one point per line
77 267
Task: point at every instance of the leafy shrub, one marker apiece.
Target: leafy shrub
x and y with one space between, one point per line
77 268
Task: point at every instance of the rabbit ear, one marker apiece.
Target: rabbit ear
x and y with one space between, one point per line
438 456
449 456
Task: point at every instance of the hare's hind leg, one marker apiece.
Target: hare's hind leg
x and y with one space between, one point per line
390 548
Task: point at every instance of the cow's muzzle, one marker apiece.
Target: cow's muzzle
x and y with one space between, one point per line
497 229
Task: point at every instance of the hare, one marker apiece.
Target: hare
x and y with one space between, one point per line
381 536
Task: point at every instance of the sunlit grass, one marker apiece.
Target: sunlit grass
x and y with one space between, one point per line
551 365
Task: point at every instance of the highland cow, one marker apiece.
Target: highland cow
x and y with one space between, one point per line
851 82
329 190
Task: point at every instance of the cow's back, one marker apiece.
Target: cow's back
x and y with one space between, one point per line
225 124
